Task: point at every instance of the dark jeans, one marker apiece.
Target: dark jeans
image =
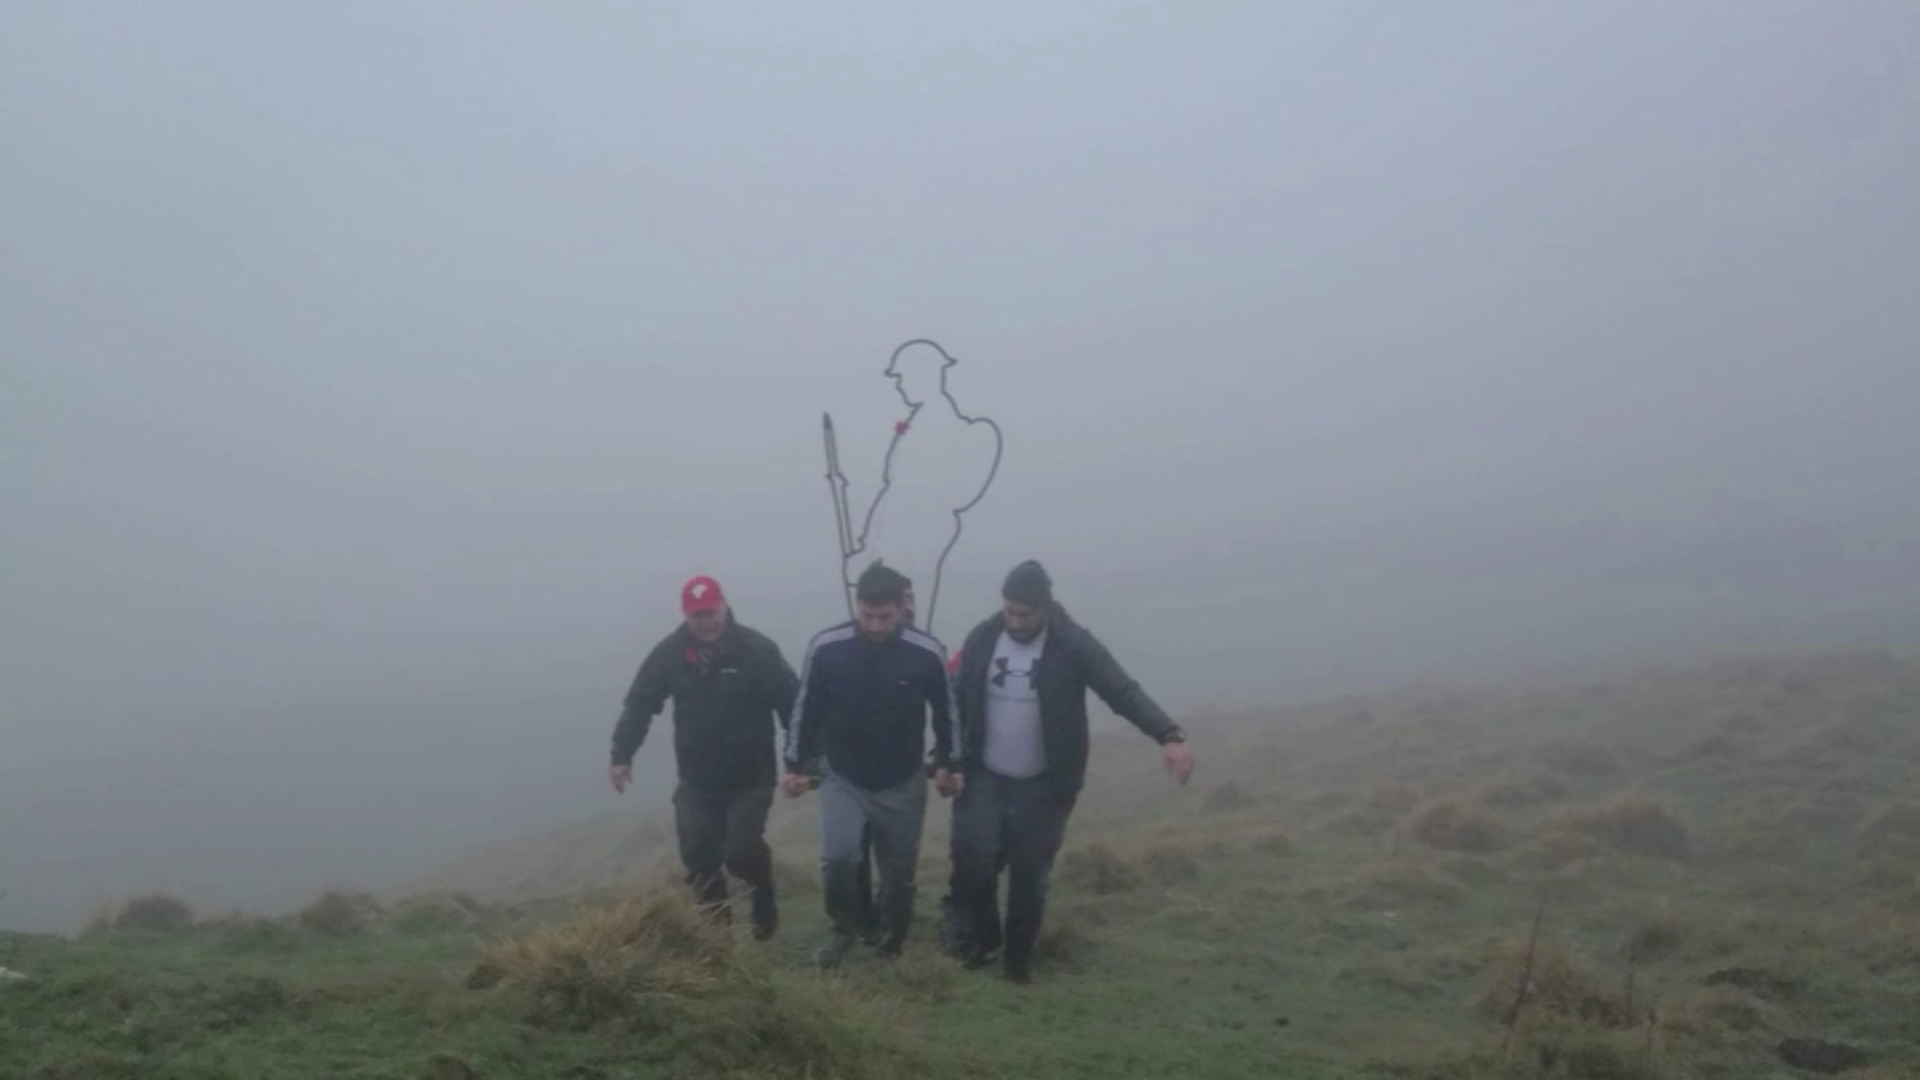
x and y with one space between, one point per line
1000 822
724 828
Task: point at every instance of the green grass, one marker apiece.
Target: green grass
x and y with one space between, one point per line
1728 857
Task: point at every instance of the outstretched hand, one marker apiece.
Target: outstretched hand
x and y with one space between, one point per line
1179 759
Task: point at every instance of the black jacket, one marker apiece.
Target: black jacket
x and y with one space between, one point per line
723 711
1072 662
865 705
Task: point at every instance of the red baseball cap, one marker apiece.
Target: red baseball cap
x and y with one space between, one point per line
701 594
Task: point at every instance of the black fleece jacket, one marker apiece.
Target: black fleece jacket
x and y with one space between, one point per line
1072 662
724 708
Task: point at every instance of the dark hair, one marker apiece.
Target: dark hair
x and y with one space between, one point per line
880 584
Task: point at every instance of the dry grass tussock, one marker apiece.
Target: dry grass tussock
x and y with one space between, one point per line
652 963
1457 825
1395 883
1632 823
1556 985
1102 870
1655 940
608 960
1226 797
156 912
341 914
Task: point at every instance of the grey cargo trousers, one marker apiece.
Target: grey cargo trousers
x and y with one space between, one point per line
894 816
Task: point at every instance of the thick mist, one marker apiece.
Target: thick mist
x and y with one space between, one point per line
371 376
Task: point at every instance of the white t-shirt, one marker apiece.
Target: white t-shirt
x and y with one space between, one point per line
1015 744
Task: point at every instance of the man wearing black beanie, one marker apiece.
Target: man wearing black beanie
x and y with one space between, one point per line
1021 693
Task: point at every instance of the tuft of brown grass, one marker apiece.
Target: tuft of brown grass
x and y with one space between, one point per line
340 914
611 960
1557 986
1455 825
1655 940
1632 823
1226 797
161 912
1170 864
1064 944
1100 870
1404 881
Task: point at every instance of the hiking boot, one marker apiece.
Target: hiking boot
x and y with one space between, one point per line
766 914
1019 972
834 951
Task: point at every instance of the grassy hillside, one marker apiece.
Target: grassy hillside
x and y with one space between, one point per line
1723 862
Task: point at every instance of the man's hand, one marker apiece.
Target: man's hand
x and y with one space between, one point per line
1179 759
620 776
793 785
949 784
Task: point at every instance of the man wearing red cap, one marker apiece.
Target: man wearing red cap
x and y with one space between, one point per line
729 685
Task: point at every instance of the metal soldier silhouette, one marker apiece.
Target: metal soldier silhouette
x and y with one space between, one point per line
923 532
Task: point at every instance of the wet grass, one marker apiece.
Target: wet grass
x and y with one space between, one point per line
1723 860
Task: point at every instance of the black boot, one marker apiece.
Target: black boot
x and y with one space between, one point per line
1019 968
766 913
897 915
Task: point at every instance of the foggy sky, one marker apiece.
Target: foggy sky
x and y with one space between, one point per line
371 375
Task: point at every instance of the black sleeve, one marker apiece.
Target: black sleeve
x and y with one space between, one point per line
782 685
809 712
652 685
1106 678
944 711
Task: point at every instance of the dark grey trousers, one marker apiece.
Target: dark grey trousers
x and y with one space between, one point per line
891 817
724 828
1019 824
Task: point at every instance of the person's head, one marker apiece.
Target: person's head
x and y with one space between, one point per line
879 600
1025 600
705 608
919 370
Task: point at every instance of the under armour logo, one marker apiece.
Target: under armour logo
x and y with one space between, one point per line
1001 671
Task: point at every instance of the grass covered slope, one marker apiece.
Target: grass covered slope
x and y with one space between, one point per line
1723 862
